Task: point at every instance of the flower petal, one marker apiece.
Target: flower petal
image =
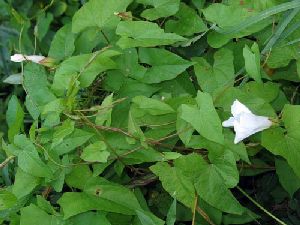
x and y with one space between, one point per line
249 124
244 122
242 130
17 58
32 58
35 58
255 123
239 136
238 108
229 122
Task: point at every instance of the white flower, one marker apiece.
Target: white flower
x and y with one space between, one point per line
244 122
17 58
32 58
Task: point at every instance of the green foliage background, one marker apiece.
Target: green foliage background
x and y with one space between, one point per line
121 123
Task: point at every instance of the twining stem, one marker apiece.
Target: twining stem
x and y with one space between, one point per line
56 163
88 122
204 215
6 161
105 37
260 206
194 209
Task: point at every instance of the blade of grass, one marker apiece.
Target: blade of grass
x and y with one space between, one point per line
287 18
289 31
259 17
8 30
260 206
292 42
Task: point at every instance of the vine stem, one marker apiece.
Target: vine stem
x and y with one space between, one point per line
6 161
204 215
260 206
56 163
194 209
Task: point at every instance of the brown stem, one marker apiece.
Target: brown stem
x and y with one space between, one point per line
89 123
6 161
204 215
194 208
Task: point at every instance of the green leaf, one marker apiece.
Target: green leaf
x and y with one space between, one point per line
209 184
24 183
97 218
128 63
146 154
111 192
43 22
134 129
34 215
215 12
45 205
171 216
28 158
7 199
103 116
95 152
252 61
62 131
62 45
184 129
217 78
224 163
147 220
239 150
246 217
32 164
36 85
234 14
175 183
144 34
253 101
74 203
152 106
162 8
260 16
71 142
14 79
32 108
287 177
88 40
14 117
79 176
282 55
180 87
205 119
103 195
161 70
188 22
98 13
156 70
58 8
83 68
268 91
286 143
198 4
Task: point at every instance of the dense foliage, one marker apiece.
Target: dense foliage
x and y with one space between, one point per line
121 124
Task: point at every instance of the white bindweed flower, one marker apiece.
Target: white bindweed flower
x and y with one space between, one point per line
32 58
244 122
